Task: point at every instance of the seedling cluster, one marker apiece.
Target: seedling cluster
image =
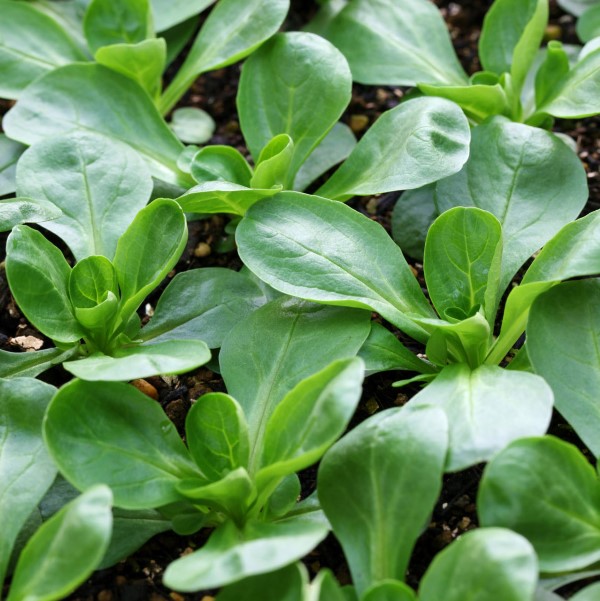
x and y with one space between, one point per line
497 339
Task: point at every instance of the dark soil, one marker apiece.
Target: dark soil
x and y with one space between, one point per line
138 578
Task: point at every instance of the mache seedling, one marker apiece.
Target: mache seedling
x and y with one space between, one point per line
406 42
238 472
326 252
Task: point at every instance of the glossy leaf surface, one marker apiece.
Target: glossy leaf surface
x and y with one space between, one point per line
99 185
15 211
384 476
114 434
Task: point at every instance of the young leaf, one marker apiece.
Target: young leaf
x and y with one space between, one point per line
413 214
96 99
99 185
317 252
486 410
143 62
141 361
408 37
32 44
14 211
193 125
26 469
511 36
382 477
287 584
562 344
416 143
10 152
126 22
48 569
90 280
202 304
506 568
575 96
589 593
545 489
114 434
463 252
296 71
217 435
389 590
276 347
231 555
38 275
506 159
554 67
231 32
335 147
274 164
309 419
223 197
225 163
148 250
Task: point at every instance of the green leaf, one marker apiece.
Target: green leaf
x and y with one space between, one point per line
90 280
413 214
99 185
395 42
217 435
545 489
318 253
231 32
527 178
511 36
477 101
383 477
14 211
287 584
326 588
279 345
178 36
141 361
573 252
126 22
274 164
382 351
221 163
38 275
463 252
96 99
284 498
486 408
296 71
589 593
113 434
554 67
576 94
143 62
223 197
168 13
576 7
588 26
202 304
32 364
10 152
333 149
389 590
26 469
148 250
416 143
563 338
506 568
231 555
309 419
192 125
48 569
32 44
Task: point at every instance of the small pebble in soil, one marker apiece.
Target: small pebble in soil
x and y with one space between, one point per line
202 250
358 123
146 388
